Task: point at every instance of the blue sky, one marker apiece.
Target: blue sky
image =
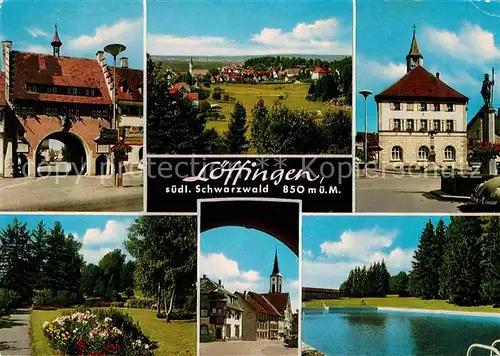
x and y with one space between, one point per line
333 245
458 39
249 27
84 26
99 234
243 259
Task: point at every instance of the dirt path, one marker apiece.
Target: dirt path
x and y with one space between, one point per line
15 334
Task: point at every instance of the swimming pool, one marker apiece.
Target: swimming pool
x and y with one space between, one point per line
356 332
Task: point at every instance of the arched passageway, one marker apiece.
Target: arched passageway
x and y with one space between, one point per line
279 219
69 159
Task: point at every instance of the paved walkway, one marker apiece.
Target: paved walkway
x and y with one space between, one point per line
71 193
395 193
15 334
247 348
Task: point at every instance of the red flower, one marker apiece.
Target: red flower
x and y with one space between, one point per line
81 345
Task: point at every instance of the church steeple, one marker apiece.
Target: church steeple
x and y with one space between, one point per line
276 278
414 57
191 67
56 43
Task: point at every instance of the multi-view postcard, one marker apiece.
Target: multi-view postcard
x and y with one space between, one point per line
426 118
71 101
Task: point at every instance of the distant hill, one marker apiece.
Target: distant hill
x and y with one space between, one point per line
181 63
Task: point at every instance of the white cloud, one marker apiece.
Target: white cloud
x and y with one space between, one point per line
91 255
471 43
389 72
113 233
124 31
397 260
217 265
319 37
359 244
36 32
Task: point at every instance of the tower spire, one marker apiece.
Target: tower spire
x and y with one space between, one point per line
56 43
414 57
276 267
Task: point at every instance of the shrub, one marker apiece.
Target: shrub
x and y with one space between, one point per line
42 297
98 332
204 106
142 303
179 314
117 304
129 292
9 299
226 97
216 95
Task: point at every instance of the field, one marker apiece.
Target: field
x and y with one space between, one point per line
397 302
294 97
176 338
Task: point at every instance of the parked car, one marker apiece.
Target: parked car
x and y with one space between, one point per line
487 193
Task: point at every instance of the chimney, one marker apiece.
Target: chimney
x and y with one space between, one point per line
100 57
204 276
124 62
6 53
220 283
245 296
437 75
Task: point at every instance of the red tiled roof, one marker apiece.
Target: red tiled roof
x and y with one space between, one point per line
31 68
279 300
192 96
177 87
320 70
419 83
265 305
131 79
312 289
2 88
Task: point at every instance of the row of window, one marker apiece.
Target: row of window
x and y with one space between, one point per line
410 125
423 153
396 106
236 331
52 111
53 89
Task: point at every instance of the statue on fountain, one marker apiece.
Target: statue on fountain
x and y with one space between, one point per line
487 90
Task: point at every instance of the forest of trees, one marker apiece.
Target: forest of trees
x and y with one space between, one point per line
458 262
176 126
44 265
367 282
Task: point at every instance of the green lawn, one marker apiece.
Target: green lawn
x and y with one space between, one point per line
176 338
396 302
248 94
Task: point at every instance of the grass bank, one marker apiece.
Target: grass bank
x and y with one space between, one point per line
294 97
393 301
176 338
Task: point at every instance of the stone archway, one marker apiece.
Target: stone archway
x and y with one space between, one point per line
75 159
280 219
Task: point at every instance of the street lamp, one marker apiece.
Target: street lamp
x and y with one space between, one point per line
115 49
366 94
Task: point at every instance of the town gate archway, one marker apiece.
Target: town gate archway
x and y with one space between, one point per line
280 219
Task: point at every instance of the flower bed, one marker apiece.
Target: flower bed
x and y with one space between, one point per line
97 332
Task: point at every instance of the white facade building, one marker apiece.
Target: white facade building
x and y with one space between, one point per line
422 122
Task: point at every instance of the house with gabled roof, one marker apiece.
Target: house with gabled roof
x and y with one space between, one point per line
422 121
220 312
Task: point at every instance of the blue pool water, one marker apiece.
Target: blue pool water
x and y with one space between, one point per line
354 332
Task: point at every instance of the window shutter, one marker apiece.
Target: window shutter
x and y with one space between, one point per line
454 128
391 124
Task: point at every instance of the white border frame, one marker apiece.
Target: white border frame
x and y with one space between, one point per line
299 256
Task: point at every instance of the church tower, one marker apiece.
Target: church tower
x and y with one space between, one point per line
276 278
414 57
191 67
56 43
